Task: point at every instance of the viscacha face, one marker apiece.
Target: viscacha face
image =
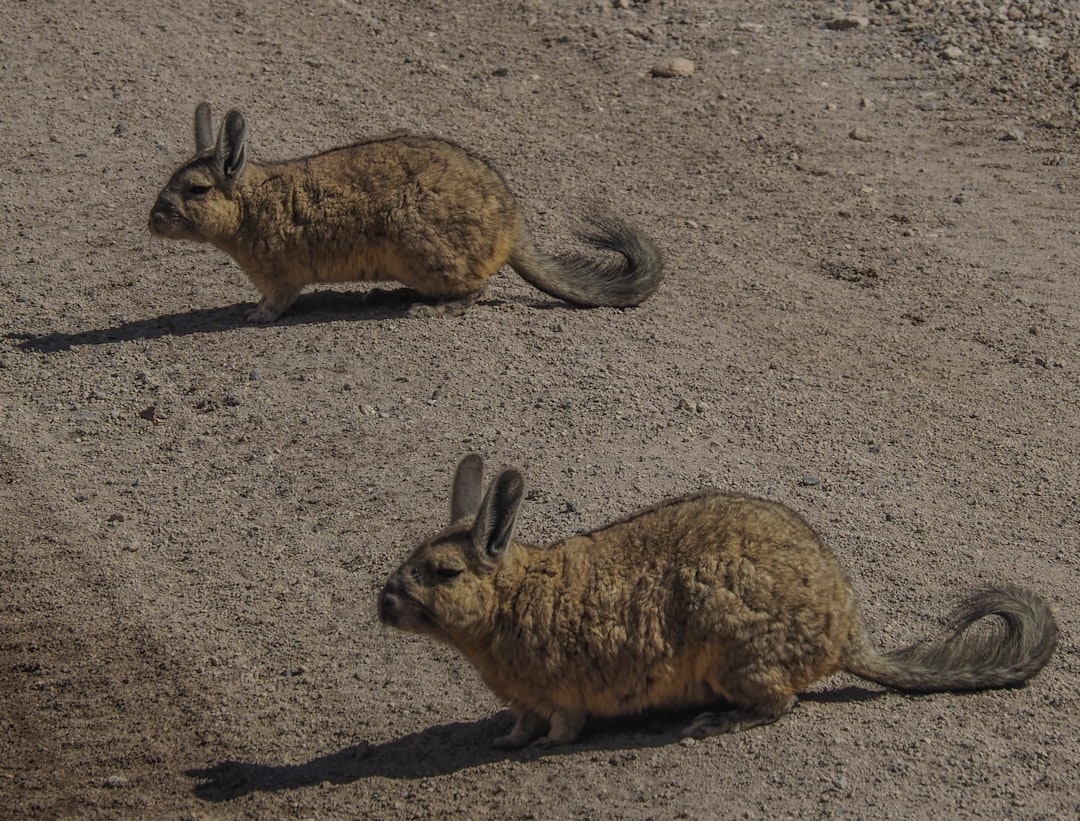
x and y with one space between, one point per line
194 206
444 590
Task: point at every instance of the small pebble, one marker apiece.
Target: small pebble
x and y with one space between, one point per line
861 135
687 404
673 67
809 481
361 750
152 413
115 781
848 21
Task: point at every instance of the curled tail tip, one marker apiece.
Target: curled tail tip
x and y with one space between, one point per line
639 277
963 660
1030 623
580 280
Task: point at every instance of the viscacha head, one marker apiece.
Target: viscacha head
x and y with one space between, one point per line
445 589
199 202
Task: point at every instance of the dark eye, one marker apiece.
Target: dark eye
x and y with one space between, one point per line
198 190
445 574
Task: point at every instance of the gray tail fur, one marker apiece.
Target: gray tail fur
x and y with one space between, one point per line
969 661
579 280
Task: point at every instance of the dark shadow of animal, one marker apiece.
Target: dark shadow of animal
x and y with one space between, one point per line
449 748
317 307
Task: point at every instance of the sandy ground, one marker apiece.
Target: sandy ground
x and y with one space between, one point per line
871 313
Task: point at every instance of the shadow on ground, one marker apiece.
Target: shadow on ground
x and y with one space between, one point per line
448 748
311 309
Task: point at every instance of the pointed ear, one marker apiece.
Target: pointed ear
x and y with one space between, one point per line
465 495
204 133
494 523
229 155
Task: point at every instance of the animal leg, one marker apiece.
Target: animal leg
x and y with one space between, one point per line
527 727
565 727
273 305
758 700
454 306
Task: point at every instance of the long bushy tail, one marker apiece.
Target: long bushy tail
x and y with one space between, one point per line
969 661
580 280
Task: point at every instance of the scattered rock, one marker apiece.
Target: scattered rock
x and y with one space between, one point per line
846 22
152 413
116 781
1013 135
809 480
673 67
861 135
953 53
361 750
692 405
753 28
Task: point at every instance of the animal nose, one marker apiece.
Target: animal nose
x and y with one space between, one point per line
158 217
388 600
386 606
161 214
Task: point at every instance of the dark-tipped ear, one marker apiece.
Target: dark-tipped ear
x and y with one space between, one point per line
494 523
229 155
467 487
204 132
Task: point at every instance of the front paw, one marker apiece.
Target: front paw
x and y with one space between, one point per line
425 310
262 316
509 742
546 742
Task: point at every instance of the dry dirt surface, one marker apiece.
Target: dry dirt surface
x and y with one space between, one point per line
871 312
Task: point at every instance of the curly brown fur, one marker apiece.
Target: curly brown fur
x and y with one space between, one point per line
705 599
418 210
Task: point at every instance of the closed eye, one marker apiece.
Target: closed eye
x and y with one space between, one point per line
198 190
445 574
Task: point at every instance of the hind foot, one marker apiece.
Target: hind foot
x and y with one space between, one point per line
450 307
732 721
